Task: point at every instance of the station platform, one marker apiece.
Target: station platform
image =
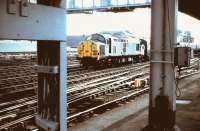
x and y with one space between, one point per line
133 116
187 114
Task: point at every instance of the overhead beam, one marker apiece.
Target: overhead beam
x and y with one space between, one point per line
40 23
107 6
54 3
52 99
190 7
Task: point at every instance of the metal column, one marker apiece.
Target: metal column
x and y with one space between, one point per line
52 55
52 86
162 106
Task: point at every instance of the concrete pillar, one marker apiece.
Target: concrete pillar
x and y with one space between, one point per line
162 105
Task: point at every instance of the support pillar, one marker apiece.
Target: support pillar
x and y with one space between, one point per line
52 86
162 105
52 65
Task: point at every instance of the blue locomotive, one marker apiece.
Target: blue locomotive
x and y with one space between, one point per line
111 48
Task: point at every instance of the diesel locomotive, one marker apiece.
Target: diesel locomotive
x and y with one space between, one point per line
111 49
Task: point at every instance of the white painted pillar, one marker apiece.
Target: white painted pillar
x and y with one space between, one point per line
162 106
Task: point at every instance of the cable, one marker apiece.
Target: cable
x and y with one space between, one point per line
172 50
178 91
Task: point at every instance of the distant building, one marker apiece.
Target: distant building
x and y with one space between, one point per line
17 46
72 51
70 3
106 2
185 38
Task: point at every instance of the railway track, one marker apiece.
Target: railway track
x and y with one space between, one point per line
89 74
104 84
12 109
119 92
120 95
92 86
17 111
76 117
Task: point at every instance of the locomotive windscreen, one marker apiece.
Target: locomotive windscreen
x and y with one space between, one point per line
102 50
98 37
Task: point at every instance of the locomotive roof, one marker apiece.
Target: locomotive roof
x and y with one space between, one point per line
126 35
117 34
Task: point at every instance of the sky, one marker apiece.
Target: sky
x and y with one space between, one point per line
137 22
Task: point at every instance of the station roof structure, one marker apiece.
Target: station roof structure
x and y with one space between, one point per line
190 7
87 6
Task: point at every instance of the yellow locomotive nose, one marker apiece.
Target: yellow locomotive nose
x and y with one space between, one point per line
88 49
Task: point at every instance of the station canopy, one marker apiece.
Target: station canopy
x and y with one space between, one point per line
74 6
190 7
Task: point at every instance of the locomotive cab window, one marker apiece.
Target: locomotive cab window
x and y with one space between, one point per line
94 47
137 47
102 50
